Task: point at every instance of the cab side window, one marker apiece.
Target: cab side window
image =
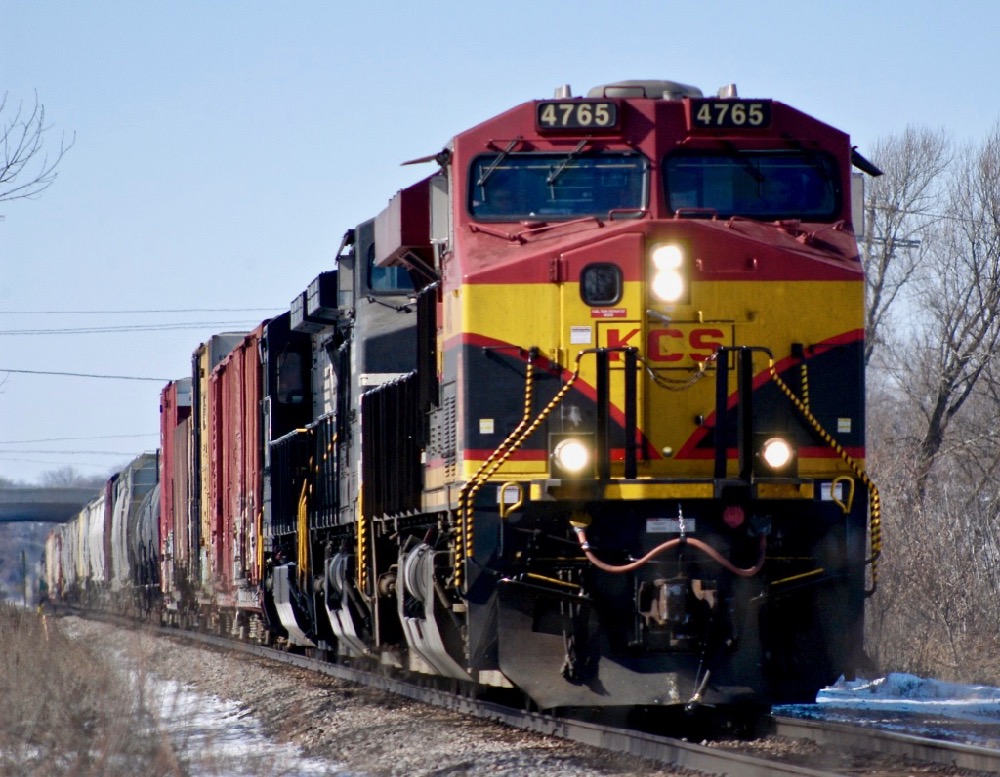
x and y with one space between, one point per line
387 280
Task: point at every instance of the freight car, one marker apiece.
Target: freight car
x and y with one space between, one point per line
580 413
106 558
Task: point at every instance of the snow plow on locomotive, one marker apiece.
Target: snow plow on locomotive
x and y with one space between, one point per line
581 413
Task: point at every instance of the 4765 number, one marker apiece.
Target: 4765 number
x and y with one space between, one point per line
731 114
577 114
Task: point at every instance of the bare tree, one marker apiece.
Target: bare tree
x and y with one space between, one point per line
26 167
957 311
901 206
68 477
934 439
938 605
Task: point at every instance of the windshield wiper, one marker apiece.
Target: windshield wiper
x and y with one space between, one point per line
737 156
551 179
814 159
485 175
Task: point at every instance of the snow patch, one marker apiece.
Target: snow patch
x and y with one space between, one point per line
908 693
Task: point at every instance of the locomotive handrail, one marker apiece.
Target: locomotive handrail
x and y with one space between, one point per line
535 229
808 236
506 509
744 407
874 499
847 503
495 232
471 488
514 441
303 530
636 213
696 213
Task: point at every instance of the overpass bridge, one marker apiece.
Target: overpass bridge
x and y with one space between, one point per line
50 505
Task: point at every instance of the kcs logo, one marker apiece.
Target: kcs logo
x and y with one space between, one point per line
671 346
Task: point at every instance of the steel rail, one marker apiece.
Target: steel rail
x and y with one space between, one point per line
664 750
890 743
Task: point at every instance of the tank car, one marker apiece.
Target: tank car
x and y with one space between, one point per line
133 585
107 556
588 411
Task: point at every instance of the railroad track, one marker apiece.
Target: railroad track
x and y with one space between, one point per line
661 749
890 743
731 760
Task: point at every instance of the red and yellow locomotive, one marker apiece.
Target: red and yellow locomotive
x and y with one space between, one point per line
634 424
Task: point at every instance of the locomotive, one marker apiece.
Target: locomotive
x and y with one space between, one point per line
581 413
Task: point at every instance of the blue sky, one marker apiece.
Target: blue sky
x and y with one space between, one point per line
222 149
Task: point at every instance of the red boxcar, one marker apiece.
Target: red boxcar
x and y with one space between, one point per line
175 490
234 467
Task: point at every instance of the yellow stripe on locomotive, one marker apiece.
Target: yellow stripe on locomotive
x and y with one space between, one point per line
679 348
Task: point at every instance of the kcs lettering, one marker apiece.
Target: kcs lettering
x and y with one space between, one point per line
670 345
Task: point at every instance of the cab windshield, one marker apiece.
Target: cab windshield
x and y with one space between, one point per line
767 185
548 187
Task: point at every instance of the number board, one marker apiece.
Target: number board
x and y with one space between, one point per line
576 114
731 114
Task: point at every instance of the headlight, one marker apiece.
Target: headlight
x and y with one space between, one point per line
572 455
777 453
667 257
667 282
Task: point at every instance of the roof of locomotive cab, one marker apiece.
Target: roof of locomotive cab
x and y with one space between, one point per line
640 115
654 127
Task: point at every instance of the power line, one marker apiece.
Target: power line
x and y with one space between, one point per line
77 439
131 312
75 453
130 328
84 375
925 214
21 460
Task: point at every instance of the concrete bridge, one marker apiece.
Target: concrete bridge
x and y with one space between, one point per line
52 505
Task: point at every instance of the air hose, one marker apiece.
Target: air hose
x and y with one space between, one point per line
708 550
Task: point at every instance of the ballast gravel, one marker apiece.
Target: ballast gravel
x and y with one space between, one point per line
365 732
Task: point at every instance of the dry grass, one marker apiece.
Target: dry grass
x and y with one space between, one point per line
65 709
